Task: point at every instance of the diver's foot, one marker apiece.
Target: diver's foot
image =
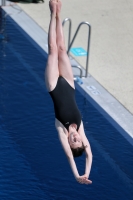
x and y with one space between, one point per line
58 7
52 6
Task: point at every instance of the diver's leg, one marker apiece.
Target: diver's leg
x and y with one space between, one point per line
52 71
64 65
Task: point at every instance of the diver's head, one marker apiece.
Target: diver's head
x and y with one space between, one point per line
75 141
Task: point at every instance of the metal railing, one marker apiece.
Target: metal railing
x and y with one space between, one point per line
70 26
69 39
88 44
3 2
80 69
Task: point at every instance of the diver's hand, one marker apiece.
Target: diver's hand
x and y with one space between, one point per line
83 179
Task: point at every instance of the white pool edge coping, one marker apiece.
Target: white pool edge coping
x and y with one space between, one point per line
115 112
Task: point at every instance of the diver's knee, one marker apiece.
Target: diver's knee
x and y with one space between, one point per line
61 49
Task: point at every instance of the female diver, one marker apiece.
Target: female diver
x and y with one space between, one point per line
60 85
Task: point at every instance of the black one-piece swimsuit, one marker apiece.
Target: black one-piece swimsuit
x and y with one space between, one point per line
66 110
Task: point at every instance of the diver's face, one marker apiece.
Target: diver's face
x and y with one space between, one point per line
74 139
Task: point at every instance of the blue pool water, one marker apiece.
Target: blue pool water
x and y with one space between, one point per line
32 162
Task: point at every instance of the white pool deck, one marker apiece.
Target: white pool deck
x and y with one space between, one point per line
109 85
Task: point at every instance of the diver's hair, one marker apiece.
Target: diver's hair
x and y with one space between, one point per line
78 151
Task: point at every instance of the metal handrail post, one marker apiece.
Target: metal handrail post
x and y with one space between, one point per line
79 70
88 50
70 26
69 38
3 2
88 46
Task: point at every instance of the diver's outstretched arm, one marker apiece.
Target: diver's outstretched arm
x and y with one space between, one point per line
87 151
88 158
